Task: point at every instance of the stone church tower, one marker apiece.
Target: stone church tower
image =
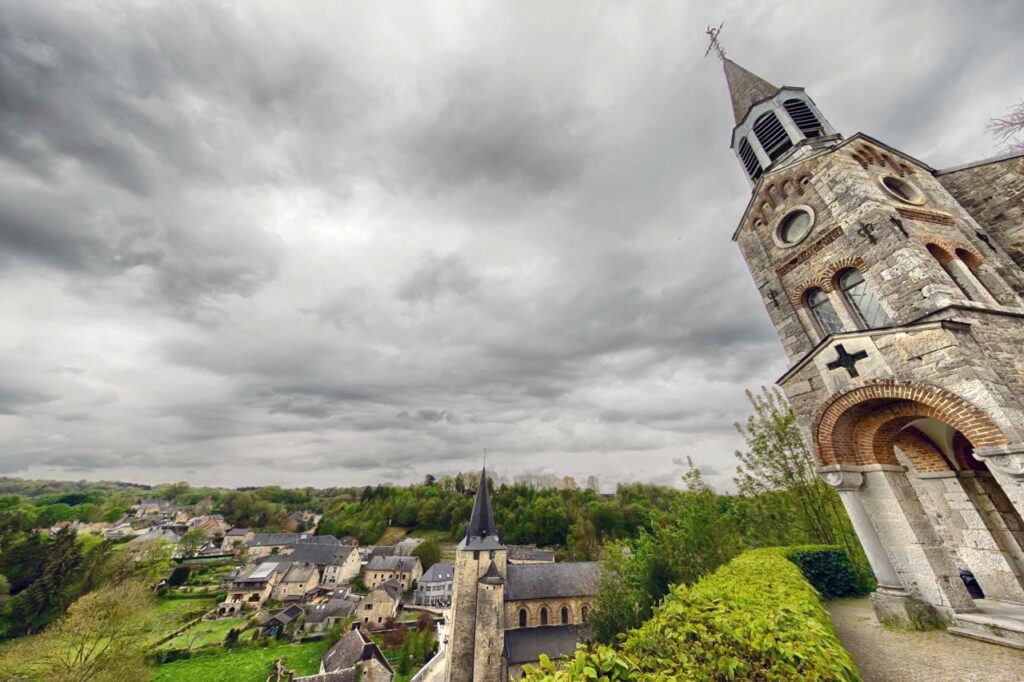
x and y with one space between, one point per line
896 290
476 645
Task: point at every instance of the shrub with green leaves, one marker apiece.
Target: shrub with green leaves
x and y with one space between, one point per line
756 618
830 571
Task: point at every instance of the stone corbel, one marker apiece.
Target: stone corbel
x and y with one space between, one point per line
1006 459
841 478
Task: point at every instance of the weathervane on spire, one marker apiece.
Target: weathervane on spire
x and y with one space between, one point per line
713 34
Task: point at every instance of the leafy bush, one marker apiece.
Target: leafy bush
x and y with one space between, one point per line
756 618
829 570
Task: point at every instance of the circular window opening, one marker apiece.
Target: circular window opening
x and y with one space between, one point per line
795 227
902 190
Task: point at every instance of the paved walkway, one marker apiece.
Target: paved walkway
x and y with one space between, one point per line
885 655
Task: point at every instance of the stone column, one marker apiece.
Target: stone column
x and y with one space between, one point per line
848 484
1006 464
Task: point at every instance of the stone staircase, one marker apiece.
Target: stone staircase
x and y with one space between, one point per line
995 622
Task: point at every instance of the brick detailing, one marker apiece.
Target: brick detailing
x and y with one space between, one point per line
860 426
799 294
829 237
845 263
866 155
925 216
951 248
922 453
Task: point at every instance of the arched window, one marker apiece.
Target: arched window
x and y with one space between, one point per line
824 314
584 612
803 117
862 299
987 280
544 615
749 159
946 261
565 615
522 618
772 136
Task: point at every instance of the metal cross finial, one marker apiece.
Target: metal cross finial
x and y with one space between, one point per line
713 34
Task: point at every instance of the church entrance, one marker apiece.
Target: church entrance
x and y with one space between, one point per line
928 513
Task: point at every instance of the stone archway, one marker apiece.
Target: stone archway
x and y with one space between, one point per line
924 507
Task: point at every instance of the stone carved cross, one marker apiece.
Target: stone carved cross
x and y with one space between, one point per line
847 361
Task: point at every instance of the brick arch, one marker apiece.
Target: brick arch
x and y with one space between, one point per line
854 262
861 425
799 293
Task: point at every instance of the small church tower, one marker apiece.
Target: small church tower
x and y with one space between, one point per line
895 293
477 639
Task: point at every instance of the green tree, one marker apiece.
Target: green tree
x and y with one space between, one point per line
428 552
191 542
778 477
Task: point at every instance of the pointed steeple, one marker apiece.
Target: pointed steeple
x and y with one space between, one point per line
745 88
481 521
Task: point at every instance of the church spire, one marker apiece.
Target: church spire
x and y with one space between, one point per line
481 521
745 88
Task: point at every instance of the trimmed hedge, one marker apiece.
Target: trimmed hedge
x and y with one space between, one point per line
829 570
755 618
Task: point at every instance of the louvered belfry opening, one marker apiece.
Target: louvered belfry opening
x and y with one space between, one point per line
804 118
750 161
771 135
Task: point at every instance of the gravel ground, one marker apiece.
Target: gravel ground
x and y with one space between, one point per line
908 656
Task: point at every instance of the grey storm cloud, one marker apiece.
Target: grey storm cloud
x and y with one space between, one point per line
334 244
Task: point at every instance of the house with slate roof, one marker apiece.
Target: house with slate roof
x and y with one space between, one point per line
265 544
381 605
405 569
337 564
435 587
352 658
506 614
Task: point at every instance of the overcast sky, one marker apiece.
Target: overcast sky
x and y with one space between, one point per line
339 243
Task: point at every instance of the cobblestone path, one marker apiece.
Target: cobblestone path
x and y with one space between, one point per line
907 656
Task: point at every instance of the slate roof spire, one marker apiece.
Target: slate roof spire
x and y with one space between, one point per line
745 88
481 521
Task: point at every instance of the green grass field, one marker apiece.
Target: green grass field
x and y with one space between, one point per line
205 632
391 536
243 665
171 614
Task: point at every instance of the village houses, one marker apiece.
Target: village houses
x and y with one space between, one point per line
404 569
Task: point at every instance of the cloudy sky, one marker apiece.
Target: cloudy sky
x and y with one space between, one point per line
343 242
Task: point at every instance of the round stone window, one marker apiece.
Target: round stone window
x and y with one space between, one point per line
794 227
902 190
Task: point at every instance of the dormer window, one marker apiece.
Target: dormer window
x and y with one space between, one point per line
803 117
771 135
750 162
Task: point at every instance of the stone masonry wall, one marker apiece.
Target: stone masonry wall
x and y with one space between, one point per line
994 194
858 224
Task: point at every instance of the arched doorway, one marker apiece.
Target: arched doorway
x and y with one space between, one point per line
933 509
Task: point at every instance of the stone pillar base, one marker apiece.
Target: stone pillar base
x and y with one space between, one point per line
894 606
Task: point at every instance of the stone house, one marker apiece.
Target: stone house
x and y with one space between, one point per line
209 525
338 564
266 544
434 588
405 569
325 615
380 605
351 652
252 587
297 582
